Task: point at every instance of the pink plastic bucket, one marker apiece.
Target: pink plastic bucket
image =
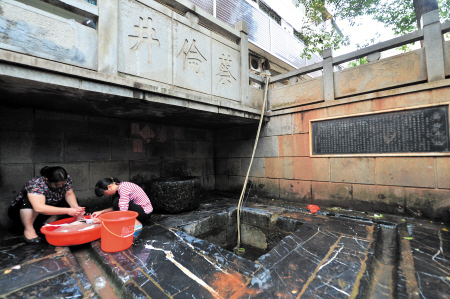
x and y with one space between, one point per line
117 230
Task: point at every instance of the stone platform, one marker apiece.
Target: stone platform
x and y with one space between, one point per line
335 254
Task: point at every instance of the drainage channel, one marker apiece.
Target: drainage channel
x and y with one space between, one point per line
103 285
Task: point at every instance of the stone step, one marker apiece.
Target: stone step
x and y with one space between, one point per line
101 281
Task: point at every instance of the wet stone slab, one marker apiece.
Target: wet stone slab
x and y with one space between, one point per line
40 270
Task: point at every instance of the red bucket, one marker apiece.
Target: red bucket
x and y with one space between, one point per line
58 238
117 230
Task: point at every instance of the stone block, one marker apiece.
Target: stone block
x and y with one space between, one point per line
47 148
128 149
80 148
428 203
142 172
16 119
41 34
353 170
267 147
222 149
194 134
241 148
403 100
151 59
226 134
398 70
295 191
191 58
278 125
185 150
440 94
160 150
328 194
235 183
16 148
406 171
301 145
210 167
253 236
101 170
57 122
205 150
279 168
311 169
443 172
226 71
12 178
78 171
196 167
6 223
230 166
108 126
286 145
258 167
351 108
301 120
304 92
221 182
265 187
254 217
255 99
384 199
173 168
208 183
175 133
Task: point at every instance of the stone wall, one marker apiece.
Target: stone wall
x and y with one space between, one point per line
284 169
91 148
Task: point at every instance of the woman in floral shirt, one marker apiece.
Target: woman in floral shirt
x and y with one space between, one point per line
50 194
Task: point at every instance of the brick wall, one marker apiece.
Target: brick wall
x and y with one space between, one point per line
283 168
91 148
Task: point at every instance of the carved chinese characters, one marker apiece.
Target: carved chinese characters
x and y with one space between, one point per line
145 34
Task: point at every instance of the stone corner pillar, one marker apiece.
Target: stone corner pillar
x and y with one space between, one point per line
108 30
242 27
432 41
328 75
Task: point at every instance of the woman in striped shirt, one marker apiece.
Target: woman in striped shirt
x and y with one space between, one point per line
125 196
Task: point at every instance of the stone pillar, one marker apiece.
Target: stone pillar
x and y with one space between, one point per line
328 75
108 23
242 27
432 41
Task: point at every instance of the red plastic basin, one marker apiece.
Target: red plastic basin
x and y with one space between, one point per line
70 238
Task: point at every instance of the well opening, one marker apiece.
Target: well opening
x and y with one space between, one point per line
260 231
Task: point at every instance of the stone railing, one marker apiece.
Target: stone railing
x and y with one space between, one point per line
159 48
427 64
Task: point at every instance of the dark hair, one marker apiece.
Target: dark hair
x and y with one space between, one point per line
103 184
54 174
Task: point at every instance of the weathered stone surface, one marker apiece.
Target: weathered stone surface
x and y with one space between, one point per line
194 76
331 194
228 166
374 198
173 168
100 170
277 125
443 172
35 32
403 171
128 149
226 74
292 95
242 148
175 195
301 120
13 178
296 145
296 191
152 58
80 148
265 187
279 168
351 108
401 69
256 98
429 203
16 119
403 100
311 169
67 122
440 94
252 235
446 46
267 147
258 167
353 170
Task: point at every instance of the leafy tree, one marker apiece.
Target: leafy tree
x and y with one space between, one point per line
403 16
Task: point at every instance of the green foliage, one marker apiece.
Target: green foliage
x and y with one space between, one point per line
357 62
398 15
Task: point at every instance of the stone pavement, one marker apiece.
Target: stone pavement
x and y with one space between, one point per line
335 254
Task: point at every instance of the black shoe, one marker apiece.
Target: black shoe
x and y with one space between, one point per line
36 240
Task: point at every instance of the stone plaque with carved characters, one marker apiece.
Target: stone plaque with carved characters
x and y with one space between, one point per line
423 130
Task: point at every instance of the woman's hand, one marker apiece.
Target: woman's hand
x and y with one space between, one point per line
74 212
96 214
